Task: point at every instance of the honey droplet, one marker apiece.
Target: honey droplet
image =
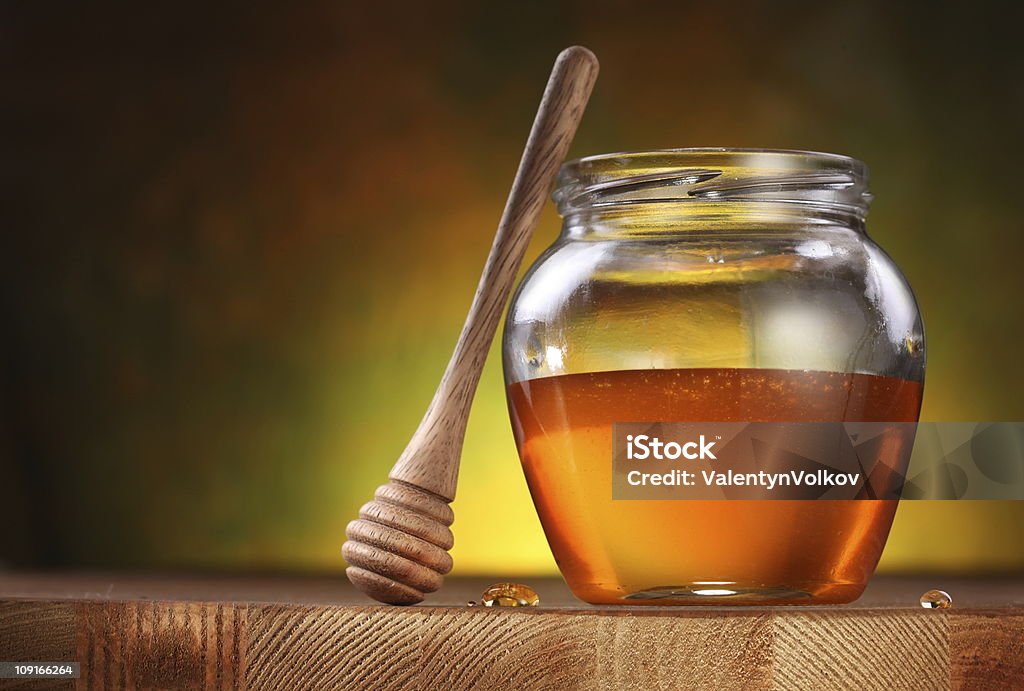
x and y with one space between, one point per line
510 595
936 599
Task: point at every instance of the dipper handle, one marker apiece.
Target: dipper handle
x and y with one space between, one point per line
431 460
398 549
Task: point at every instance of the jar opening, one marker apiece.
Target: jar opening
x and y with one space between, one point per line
709 177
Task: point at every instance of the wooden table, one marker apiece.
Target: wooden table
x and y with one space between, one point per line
316 632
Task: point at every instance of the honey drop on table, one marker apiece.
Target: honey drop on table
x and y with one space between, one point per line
510 595
936 599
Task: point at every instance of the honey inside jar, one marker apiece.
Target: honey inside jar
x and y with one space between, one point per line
698 551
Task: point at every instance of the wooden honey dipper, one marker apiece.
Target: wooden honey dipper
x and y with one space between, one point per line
398 548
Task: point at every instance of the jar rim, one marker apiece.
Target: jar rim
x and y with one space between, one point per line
714 175
698 151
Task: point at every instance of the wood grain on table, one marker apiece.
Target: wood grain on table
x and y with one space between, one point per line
218 632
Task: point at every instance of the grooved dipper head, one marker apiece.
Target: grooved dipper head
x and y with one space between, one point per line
397 550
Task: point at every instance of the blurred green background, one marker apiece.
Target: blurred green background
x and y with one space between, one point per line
238 246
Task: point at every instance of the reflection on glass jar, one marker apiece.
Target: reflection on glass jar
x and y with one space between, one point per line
710 285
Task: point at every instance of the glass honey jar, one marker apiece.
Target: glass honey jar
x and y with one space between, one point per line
728 285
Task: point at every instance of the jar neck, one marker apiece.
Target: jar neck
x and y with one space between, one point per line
677 191
667 220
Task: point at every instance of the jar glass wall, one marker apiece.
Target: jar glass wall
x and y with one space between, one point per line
720 285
